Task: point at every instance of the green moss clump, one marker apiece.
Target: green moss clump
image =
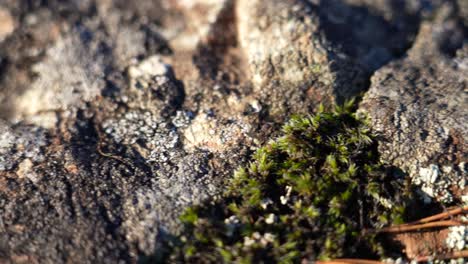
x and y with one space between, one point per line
313 193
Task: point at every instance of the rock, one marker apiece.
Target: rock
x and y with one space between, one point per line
307 52
24 170
153 86
69 76
119 114
419 105
37 28
148 68
463 5
21 145
194 22
7 23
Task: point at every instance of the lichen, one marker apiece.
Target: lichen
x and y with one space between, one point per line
457 237
153 137
314 193
436 183
19 143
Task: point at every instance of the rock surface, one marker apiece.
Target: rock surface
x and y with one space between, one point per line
119 114
7 23
318 51
419 105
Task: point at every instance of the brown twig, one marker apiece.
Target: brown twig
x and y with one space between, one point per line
405 228
453 255
440 216
349 261
424 223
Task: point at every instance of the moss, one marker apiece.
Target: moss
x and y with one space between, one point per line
312 193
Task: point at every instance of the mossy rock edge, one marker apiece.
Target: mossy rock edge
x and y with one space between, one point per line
317 192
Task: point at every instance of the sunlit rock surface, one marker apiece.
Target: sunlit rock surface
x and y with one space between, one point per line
419 105
116 115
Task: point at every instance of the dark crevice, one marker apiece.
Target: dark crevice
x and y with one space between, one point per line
369 40
69 197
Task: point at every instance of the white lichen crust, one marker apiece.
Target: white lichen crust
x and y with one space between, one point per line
438 184
457 238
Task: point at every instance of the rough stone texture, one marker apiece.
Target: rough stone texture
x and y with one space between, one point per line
419 105
20 142
318 51
119 114
68 77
